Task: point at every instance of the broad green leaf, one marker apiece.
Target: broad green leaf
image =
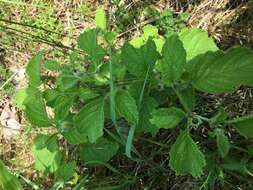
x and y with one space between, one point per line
86 93
66 171
71 133
222 72
46 154
196 42
222 143
144 125
62 106
110 37
20 97
167 118
159 42
66 81
7 180
103 150
137 42
50 96
90 120
33 70
87 41
35 108
174 59
52 65
187 98
149 31
139 60
126 106
185 156
101 18
244 125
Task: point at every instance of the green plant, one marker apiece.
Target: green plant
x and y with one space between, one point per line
90 102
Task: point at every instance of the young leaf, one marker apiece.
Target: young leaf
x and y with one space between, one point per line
167 118
101 18
33 70
139 60
87 41
196 42
20 97
7 180
185 156
66 171
223 72
103 150
126 106
46 153
35 108
149 31
174 59
222 143
90 120
244 125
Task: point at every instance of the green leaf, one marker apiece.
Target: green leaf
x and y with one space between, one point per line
86 93
244 125
196 42
185 156
50 96
35 108
33 70
46 154
66 171
101 18
144 124
174 59
222 72
220 117
7 180
87 41
103 150
52 65
20 97
90 120
66 81
149 31
187 98
167 118
71 133
62 106
126 106
139 60
222 143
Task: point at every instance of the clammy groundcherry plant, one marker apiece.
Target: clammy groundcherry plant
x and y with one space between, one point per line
100 102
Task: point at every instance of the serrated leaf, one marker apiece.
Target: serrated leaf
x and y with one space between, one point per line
126 106
35 108
222 72
185 156
222 143
90 120
66 171
33 70
52 65
103 150
7 180
167 118
62 106
139 60
46 154
87 41
244 125
174 59
196 42
187 98
101 18
144 124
